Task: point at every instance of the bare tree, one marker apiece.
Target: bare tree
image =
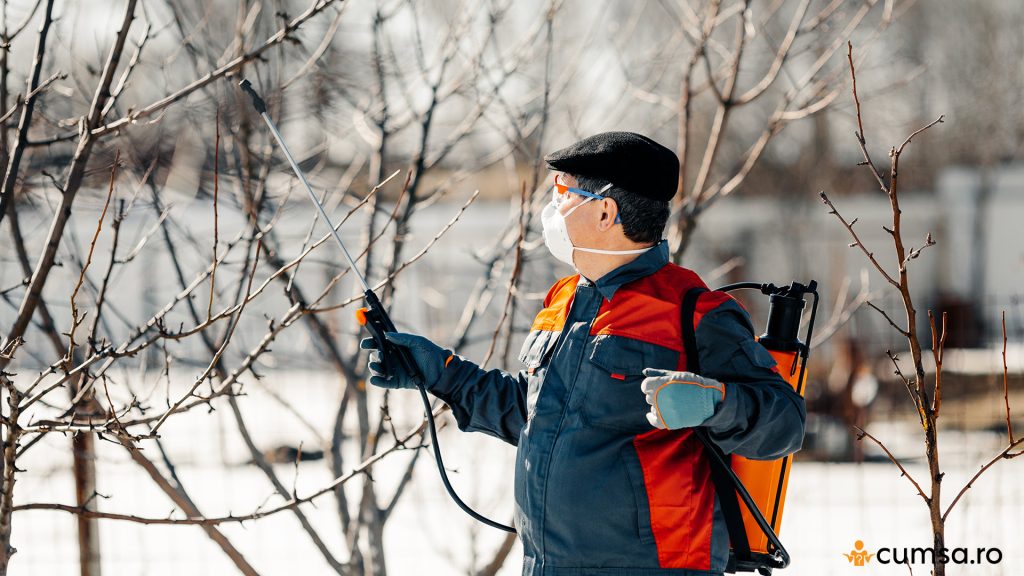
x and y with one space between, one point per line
220 278
393 107
926 396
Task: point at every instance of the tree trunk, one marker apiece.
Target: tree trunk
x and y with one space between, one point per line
10 452
84 450
935 504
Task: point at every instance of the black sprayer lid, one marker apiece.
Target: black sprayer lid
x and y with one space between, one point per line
782 332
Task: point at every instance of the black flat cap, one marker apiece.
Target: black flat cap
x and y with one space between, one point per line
626 159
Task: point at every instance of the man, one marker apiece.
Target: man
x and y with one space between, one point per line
610 478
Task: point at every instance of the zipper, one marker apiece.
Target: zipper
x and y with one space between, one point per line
561 421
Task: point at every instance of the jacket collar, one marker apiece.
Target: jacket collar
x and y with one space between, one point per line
643 265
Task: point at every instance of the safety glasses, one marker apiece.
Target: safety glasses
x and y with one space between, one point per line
560 194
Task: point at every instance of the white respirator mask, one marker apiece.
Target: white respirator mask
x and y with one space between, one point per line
556 234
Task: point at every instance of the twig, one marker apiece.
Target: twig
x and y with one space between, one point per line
181 499
216 219
860 436
279 487
405 264
887 318
12 288
24 123
216 358
938 120
915 252
857 242
194 517
780 56
915 395
860 123
285 33
10 477
101 296
1004 454
75 320
938 350
1006 387
129 68
72 182
724 268
20 100
843 312
513 278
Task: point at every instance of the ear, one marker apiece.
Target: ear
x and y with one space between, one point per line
609 211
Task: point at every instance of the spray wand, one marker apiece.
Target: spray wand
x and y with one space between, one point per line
374 317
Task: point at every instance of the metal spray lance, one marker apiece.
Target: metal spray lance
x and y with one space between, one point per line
374 317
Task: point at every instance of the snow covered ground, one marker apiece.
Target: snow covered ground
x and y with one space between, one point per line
830 506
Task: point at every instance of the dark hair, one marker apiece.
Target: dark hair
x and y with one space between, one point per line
643 218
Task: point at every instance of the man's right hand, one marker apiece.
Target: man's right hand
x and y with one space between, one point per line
430 359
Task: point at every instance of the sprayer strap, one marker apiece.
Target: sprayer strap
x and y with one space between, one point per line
689 336
719 475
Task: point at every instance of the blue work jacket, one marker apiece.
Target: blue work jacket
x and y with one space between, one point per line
598 490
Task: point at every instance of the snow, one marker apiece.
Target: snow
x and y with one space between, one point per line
829 506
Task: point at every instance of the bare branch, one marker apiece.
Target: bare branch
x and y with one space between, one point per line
1005 453
41 88
75 320
514 277
938 120
903 471
11 174
181 499
220 351
860 123
914 252
405 264
216 218
72 182
858 244
193 516
938 349
285 33
1006 385
780 56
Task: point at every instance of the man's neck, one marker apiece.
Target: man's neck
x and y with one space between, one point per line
594 266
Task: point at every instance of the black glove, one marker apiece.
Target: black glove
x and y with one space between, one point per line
430 359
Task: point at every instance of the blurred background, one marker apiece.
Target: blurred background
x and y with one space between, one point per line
158 252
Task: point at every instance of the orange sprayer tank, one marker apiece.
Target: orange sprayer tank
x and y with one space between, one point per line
766 480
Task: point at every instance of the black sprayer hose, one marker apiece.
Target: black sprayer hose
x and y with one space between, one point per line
782 557
440 466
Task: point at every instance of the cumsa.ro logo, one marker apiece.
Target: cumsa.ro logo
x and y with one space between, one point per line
859 556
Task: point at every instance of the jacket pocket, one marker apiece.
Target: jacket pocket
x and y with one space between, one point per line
535 355
613 375
631 462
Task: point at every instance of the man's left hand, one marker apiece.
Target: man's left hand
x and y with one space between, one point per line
680 399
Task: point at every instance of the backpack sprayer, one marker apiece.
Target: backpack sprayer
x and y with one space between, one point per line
760 484
374 317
